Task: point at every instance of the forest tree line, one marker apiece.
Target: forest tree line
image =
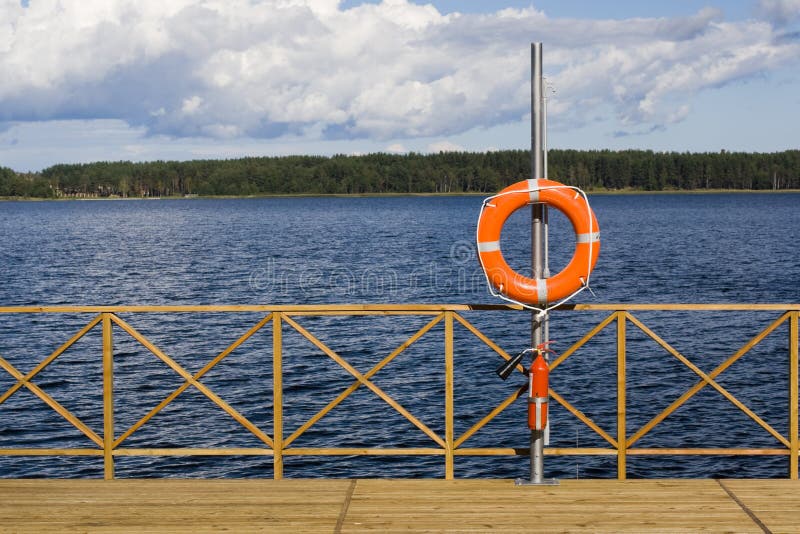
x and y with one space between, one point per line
445 172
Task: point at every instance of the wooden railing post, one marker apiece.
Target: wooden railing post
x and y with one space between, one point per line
448 395
277 396
622 439
794 396
108 398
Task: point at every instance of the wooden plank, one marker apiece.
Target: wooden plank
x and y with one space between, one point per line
448 396
51 452
108 398
685 307
390 308
794 396
395 505
525 451
776 503
277 396
344 309
709 451
590 506
622 441
176 451
392 505
394 451
363 451
169 505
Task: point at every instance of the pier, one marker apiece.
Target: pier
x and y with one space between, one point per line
333 506
277 501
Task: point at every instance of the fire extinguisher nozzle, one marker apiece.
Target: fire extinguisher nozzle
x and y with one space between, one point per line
505 370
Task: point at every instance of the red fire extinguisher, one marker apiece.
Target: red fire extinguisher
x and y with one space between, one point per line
538 386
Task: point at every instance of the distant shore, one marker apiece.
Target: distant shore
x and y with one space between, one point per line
632 192
389 175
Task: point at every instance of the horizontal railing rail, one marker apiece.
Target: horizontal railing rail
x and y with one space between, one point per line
110 443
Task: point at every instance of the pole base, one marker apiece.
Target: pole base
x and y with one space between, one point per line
545 482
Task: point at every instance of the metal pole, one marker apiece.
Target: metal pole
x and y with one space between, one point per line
537 154
537 249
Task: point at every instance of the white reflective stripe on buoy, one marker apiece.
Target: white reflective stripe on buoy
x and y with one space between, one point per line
588 238
533 187
489 246
541 289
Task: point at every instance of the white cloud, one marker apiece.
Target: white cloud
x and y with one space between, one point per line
309 68
779 11
222 131
191 105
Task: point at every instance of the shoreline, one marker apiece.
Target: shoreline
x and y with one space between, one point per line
604 192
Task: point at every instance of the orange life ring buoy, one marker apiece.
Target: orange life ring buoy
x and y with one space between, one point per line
587 236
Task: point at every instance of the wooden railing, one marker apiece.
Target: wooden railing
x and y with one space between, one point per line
279 443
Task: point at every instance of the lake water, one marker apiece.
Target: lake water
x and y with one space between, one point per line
726 248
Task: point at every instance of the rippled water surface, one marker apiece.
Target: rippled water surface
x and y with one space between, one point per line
726 248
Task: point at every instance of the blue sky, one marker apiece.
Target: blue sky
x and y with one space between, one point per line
89 80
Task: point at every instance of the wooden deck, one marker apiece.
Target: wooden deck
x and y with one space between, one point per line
168 505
